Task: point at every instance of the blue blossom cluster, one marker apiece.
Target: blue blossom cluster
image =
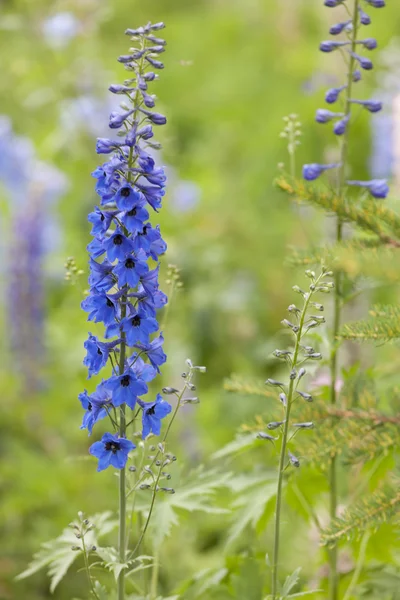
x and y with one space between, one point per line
124 261
378 188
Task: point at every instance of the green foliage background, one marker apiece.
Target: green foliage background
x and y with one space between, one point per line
234 68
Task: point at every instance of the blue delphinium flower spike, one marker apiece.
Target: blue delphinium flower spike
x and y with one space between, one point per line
314 170
112 450
124 291
378 188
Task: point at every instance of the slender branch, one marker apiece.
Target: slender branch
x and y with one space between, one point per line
333 496
282 458
360 563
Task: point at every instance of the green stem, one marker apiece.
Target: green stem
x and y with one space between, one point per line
333 496
282 458
360 563
87 567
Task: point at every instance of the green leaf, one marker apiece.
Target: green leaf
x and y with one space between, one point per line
253 501
57 555
241 443
290 582
195 495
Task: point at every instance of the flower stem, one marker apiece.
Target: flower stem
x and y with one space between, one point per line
282 458
333 499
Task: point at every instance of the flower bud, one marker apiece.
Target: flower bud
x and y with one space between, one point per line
308 425
293 460
274 382
305 396
191 401
264 436
275 424
170 390
283 399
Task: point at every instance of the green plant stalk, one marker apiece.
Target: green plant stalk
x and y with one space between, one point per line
282 456
360 563
333 495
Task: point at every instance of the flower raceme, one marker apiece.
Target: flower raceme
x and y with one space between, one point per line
124 254
342 119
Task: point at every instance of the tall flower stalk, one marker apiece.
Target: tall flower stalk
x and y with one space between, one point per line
124 264
350 30
303 322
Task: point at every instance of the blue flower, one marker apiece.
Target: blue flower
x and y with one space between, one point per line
126 197
100 306
130 270
314 170
118 245
126 388
154 351
95 407
153 412
101 220
100 277
112 450
138 327
134 219
378 188
97 354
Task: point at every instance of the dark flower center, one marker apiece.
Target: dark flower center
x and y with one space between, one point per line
113 446
125 192
132 212
89 406
144 230
102 217
151 411
98 349
117 241
125 380
136 321
129 263
109 303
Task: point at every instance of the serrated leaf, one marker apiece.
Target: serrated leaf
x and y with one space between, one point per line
241 443
290 582
195 495
57 554
253 500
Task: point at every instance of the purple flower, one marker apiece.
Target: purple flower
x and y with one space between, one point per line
330 45
126 197
364 63
112 450
341 126
324 116
130 270
339 27
364 18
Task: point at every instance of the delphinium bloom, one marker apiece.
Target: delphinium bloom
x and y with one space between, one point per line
124 260
343 95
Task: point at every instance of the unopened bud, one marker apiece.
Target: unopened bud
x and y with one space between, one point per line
167 490
293 374
274 382
305 396
169 390
308 425
318 306
283 399
144 486
302 372
310 274
264 436
292 308
75 548
294 460
275 424
191 401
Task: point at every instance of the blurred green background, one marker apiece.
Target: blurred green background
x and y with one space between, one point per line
234 68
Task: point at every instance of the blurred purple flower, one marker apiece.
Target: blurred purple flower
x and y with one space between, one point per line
59 29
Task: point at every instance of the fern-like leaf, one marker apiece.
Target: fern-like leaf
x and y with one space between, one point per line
368 514
383 327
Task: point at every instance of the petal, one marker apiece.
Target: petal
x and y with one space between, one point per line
104 461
